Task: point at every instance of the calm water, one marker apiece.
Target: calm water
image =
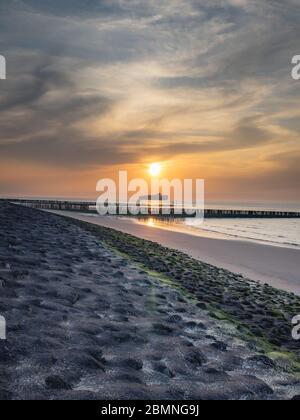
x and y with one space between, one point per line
277 232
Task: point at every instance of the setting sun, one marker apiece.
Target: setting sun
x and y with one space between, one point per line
155 169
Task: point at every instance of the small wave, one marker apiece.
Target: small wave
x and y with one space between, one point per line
261 233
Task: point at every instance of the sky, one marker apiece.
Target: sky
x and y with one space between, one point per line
202 86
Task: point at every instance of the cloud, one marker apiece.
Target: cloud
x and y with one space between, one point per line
28 91
126 147
103 82
73 8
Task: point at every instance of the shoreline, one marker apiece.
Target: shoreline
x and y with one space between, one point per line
91 314
276 266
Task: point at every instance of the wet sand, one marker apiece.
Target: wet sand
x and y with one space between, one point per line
278 267
86 323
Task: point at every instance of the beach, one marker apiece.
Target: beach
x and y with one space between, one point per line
91 316
276 266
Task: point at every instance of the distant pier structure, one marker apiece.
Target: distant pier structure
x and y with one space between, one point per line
90 208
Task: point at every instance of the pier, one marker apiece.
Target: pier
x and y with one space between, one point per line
90 207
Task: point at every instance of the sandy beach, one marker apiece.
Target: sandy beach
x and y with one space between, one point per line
85 322
276 266
180 119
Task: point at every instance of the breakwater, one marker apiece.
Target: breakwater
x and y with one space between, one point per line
159 210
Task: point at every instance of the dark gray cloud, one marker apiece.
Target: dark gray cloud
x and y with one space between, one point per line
72 62
68 149
27 108
75 7
257 43
26 92
80 8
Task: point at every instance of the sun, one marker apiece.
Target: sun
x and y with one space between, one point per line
155 169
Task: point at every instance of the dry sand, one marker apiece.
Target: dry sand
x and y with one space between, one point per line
279 267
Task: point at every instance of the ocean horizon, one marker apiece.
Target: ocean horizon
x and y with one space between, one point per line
209 204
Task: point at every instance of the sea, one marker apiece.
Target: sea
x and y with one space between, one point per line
276 232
